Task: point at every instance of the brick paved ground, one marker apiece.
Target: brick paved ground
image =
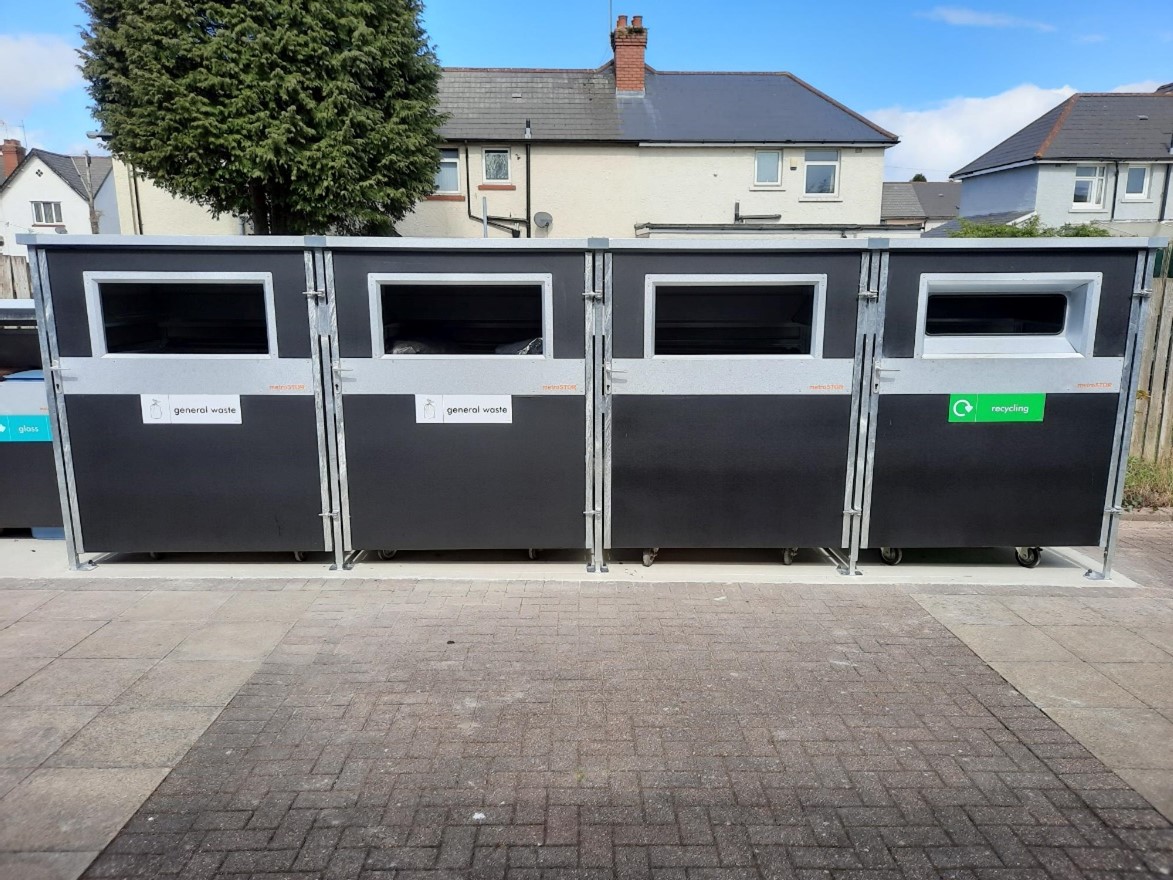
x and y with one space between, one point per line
1145 553
677 732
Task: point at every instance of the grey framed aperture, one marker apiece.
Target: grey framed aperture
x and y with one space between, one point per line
186 393
1001 393
729 394
464 394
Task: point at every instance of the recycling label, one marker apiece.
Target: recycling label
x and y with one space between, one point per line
25 429
997 407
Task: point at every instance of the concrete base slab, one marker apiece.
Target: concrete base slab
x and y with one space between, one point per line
44 866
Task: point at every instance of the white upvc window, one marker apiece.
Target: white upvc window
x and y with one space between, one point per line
767 168
496 166
1089 187
47 212
822 172
448 177
1136 183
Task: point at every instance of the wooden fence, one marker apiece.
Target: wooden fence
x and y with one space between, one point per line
14 278
1152 432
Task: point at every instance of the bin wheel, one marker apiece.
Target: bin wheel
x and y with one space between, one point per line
788 555
891 555
533 553
387 554
299 556
650 556
155 555
1028 557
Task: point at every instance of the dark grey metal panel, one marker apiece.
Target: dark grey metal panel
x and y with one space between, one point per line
942 484
840 267
351 269
28 486
248 487
69 302
728 471
905 270
467 486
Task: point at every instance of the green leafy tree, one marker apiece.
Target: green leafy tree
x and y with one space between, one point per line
1030 228
919 178
306 116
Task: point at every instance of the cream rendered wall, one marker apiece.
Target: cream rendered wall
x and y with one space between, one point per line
16 209
163 213
607 190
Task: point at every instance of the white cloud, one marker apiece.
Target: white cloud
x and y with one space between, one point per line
33 68
1147 85
939 140
1090 38
960 16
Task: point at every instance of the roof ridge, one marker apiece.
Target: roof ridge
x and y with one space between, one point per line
1068 105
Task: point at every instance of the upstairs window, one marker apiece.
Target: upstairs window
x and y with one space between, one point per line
767 168
1136 183
1089 187
822 172
497 166
448 177
47 212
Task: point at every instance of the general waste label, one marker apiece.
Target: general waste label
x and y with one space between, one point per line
190 409
997 407
25 429
449 409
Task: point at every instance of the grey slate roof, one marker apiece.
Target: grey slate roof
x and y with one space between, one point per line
931 200
71 169
944 230
581 105
1089 125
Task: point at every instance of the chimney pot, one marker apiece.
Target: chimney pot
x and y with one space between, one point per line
637 22
621 24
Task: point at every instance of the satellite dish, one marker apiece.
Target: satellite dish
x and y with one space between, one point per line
542 220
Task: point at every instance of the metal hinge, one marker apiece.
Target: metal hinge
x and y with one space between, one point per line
1142 294
869 295
314 294
1113 510
592 513
333 514
853 511
596 295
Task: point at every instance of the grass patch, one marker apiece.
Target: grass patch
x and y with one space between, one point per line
1148 483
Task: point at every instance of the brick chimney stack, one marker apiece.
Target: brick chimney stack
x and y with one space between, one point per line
630 43
11 153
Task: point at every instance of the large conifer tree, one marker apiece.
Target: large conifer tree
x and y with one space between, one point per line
304 115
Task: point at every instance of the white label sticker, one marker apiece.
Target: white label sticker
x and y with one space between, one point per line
441 409
190 409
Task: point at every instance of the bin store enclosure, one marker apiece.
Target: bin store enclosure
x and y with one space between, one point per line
185 393
28 478
355 395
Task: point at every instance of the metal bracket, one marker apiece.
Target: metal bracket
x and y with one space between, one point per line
596 295
314 294
1113 510
853 511
1142 294
869 295
333 514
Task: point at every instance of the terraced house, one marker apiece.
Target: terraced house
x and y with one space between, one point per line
626 150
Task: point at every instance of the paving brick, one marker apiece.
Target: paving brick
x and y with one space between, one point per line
582 731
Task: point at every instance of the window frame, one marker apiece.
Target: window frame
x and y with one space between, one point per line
818 311
39 213
767 184
1099 182
837 165
1077 338
1143 195
455 162
375 280
92 282
496 181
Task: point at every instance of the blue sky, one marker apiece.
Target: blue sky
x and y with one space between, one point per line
950 79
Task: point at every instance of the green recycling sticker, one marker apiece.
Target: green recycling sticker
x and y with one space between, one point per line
997 407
